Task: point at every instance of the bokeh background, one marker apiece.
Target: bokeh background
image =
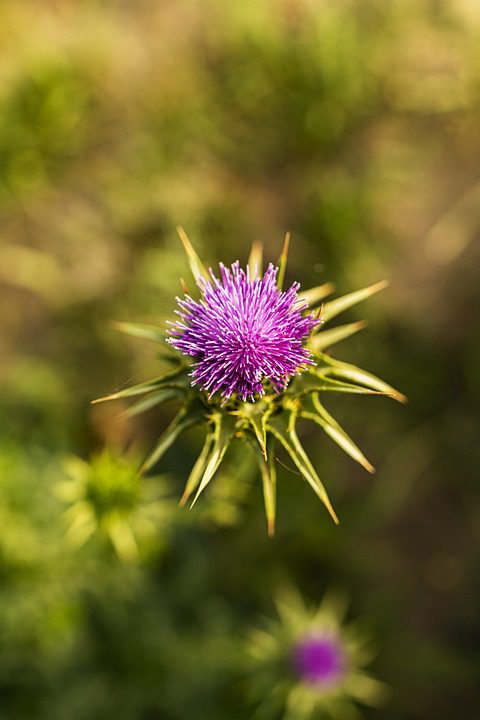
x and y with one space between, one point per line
356 125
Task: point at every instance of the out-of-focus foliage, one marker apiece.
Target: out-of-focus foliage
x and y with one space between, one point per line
355 126
108 496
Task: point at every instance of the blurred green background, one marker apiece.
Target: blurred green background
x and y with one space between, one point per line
356 125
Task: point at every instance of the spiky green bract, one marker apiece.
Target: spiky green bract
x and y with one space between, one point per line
108 497
307 663
272 422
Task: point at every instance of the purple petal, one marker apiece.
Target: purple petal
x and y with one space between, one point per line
243 332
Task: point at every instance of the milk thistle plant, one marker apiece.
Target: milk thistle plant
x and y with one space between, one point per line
249 361
106 497
309 663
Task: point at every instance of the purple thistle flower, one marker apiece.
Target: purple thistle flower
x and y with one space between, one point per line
243 332
319 660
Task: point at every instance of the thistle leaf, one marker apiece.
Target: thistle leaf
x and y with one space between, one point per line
282 261
255 259
317 484
368 689
121 536
339 305
259 426
269 480
314 295
171 379
140 389
155 398
349 372
224 429
255 416
319 382
185 418
81 523
288 437
196 265
299 705
332 428
326 338
147 332
198 469
169 357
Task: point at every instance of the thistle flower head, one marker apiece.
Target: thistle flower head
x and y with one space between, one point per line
319 659
243 332
246 339
309 660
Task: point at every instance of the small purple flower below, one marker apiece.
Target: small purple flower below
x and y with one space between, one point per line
243 332
319 660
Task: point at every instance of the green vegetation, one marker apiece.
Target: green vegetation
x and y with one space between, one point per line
353 125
